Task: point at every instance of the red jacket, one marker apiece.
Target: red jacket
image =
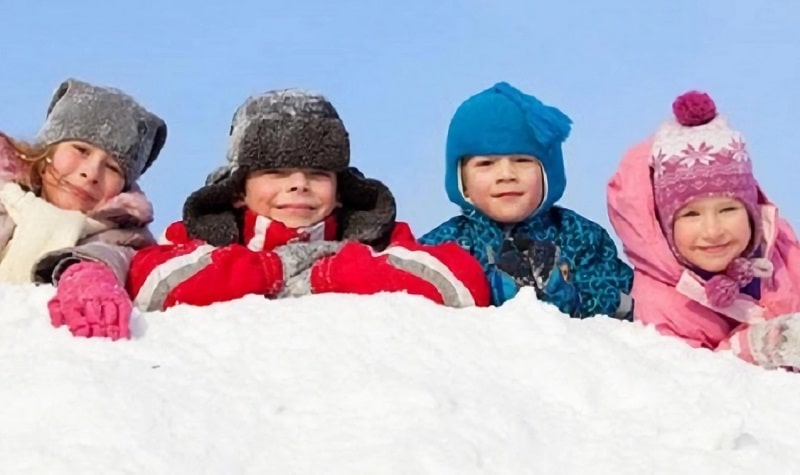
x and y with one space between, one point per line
190 271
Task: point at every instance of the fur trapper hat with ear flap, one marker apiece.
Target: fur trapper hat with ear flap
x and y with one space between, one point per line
107 118
289 128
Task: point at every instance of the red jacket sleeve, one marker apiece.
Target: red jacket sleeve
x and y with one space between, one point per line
444 273
193 272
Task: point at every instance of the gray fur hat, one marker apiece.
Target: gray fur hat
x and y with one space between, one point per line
107 118
289 128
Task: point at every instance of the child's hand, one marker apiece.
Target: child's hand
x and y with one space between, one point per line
91 302
531 263
538 264
433 272
297 259
776 343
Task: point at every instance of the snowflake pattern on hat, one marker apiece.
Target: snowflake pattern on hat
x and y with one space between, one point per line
697 155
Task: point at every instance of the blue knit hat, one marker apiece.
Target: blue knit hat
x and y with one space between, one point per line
502 120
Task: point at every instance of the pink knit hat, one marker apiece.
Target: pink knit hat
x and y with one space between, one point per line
697 155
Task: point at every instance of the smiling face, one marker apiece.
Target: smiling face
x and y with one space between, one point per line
711 232
80 176
507 188
297 197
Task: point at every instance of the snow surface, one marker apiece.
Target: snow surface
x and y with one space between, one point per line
383 384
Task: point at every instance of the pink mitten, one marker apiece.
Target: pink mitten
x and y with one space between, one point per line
91 302
776 343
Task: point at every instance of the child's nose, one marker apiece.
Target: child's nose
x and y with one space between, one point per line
298 181
506 170
90 170
712 228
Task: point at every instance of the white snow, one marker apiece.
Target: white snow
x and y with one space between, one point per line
383 384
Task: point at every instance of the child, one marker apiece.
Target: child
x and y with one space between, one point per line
505 169
70 211
714 264
288 217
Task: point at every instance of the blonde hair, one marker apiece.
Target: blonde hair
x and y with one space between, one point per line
37 156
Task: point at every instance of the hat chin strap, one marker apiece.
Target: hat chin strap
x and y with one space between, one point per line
544 189
461 183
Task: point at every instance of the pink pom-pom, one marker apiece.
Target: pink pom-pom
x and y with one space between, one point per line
740 270
694 108
721 290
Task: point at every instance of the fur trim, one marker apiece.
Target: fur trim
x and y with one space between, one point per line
368 209
294 143
367 215
209 215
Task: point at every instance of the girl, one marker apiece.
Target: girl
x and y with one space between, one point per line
714 264
70 211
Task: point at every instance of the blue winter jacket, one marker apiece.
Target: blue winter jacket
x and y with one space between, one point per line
599 282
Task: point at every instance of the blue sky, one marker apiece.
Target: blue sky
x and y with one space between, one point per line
396 71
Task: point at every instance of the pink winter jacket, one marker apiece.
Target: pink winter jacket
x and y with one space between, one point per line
127 216
671 297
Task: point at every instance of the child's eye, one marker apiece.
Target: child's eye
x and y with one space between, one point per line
729 209
483 163
689 214
320 174
114 168
82 149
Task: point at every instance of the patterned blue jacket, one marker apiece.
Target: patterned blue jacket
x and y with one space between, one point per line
503 120
601 281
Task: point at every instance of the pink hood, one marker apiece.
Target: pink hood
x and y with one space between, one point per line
631 209
671 297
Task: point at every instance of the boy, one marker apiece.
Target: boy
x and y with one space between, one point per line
505 169
289 217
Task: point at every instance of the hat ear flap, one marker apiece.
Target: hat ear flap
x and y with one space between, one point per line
368 209
219 174
59 94
209 215
159 140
